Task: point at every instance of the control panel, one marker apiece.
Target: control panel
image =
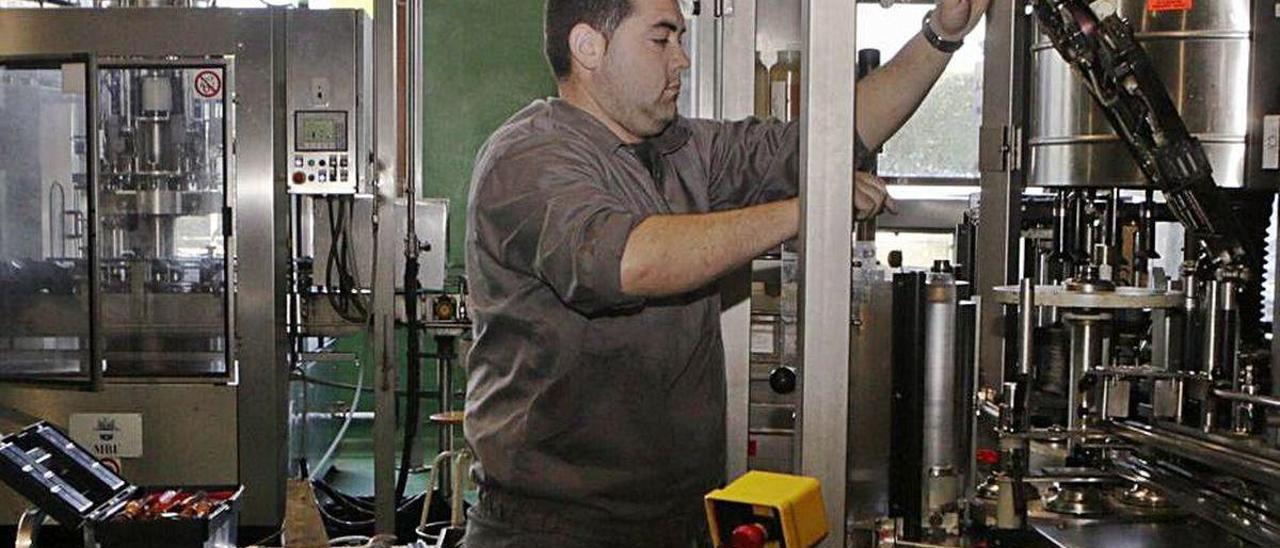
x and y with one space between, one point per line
321 159
328 90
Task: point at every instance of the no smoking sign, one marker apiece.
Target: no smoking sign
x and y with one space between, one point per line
208 83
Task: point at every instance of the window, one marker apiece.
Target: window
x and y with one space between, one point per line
941 140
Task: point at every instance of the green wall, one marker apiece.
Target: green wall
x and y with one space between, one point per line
483 63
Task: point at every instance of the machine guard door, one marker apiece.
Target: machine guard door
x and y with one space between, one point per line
49 286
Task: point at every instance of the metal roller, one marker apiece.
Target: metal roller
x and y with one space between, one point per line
939 389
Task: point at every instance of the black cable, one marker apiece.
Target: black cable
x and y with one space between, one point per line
341 521
343 285
413 366
335 495
330 263
349 260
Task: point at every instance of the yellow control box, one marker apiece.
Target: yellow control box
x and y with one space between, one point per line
767 510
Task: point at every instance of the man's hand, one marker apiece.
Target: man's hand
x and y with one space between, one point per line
870 196
953 19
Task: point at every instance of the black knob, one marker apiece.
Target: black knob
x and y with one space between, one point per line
895 259
783 379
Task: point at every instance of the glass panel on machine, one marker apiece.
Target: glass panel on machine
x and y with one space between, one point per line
161 200
44 201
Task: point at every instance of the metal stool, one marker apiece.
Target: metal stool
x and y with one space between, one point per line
29 528
457 461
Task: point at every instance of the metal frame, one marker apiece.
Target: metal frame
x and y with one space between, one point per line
1000 151
827 159
386 180
733 99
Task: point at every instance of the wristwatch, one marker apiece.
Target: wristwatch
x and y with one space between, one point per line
945 46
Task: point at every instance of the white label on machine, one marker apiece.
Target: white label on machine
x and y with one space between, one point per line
108 435
1271 142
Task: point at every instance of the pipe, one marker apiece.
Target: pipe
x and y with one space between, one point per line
1086 349
1212 331
1141 372
1258 399
1192 320
1078 227
939 371
1113 221
365 416
1060 223
1027 322
413 114
1010 394
1239 461
1091 231
1071 479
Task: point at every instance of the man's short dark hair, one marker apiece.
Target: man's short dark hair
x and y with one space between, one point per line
563 15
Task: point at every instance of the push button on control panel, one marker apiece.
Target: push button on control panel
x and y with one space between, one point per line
323 173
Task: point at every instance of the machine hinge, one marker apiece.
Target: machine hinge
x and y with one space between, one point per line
999 148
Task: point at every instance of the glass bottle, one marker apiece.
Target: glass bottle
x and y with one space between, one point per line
784 79
762 89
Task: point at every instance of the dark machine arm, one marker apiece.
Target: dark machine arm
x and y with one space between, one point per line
1118 73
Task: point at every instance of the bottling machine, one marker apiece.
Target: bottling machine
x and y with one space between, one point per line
1124 384
155 164
1094 364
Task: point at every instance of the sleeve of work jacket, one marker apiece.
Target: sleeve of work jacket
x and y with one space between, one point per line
541 210
752 162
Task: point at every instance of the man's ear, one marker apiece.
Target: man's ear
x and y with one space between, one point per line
587 45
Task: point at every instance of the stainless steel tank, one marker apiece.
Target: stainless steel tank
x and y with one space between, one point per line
1202 55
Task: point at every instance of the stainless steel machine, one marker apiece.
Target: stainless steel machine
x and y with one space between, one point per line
150 157
1094 366
1125 385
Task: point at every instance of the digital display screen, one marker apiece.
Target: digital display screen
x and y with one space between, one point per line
320 131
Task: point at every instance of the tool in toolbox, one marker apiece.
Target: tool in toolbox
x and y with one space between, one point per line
66 482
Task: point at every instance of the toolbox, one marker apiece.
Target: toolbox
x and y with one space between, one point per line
65 481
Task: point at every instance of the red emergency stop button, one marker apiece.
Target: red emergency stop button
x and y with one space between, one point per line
299 177
751 535
988 457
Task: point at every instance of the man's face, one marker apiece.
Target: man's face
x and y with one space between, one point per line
639 79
